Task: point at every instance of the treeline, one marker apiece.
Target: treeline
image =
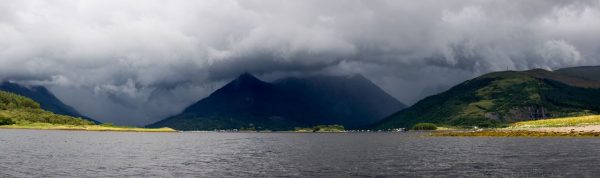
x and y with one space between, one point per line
13 101
321 128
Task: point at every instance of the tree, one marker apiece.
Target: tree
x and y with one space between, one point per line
6 121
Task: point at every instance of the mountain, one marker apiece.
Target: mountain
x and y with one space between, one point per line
352 101
44 97
584 72
249 103
503 97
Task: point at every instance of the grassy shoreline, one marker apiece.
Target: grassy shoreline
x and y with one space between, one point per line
582 126
515 133
46 126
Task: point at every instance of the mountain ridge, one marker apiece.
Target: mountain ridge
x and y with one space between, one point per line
250 103
502 97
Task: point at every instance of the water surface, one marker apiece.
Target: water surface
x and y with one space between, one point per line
35 153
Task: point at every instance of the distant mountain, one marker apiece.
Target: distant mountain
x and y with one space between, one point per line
585 72
352 101
504 97
249 103
44 97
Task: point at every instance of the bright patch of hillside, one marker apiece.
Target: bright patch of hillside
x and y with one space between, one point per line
23 110
18 112
560 122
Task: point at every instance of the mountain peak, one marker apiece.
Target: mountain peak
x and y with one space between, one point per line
247 77
244 82
248 102
359 77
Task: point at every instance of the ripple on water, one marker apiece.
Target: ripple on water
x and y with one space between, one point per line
32 153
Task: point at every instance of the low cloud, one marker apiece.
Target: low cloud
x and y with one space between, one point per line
122 61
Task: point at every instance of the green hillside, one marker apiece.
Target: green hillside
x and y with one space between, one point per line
502 97
22 110
19 112
46 99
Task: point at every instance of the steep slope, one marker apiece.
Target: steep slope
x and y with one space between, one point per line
44 97
245 103
502 97
352 101
248 103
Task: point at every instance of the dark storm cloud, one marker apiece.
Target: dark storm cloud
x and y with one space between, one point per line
139 61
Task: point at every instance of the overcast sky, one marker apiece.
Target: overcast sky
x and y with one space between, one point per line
135 62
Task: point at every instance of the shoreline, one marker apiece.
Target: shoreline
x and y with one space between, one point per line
569 131
94 128
576 126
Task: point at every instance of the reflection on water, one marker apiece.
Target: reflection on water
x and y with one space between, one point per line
27 153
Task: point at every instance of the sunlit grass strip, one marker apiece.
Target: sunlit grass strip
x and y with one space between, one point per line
560 122
515 133
46 126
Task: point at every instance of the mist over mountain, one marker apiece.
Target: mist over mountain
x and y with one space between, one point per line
130 56
247 102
